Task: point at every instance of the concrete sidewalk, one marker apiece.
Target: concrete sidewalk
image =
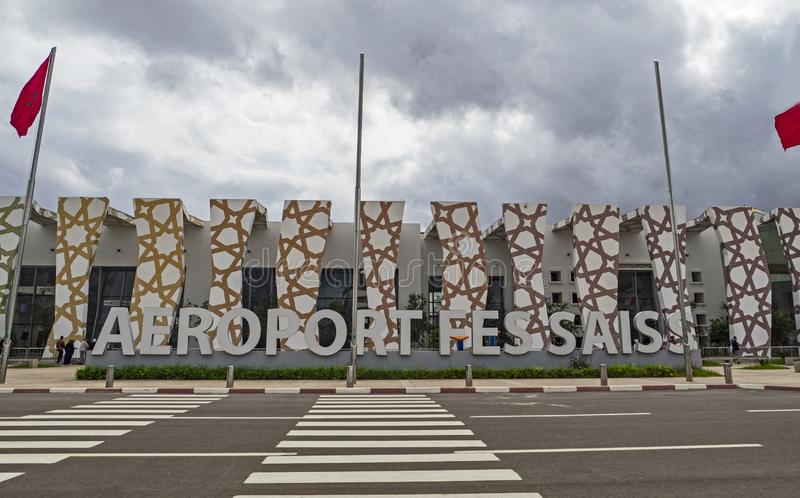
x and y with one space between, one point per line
64 376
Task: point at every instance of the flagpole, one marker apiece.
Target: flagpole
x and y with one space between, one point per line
26 216
687 354
351 379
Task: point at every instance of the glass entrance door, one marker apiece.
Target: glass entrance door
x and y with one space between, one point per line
636 293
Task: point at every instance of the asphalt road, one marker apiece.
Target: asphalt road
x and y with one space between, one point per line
703 443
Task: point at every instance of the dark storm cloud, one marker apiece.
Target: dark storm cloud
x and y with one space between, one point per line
492 101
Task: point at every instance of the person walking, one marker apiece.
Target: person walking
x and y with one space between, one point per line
84 349
60 348
69 350
735 349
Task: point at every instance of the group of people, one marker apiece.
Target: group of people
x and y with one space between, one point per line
66 350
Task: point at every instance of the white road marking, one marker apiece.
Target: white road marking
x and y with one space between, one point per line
73 432
180 455
372 396
5 476
630 448
166 395
133 405
383 476
97 417
558 415
384 415
415 495
22 458
403 407
106 410
375 401
380 432
379 458
369 410
415 443
16 445
153 402
379 423
73 423
236 418
777 410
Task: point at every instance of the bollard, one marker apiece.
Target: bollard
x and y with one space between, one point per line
35 363
468 375
229 377
351 379
110 376
728 372
603 374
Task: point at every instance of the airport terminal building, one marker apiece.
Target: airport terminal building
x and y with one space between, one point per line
85 257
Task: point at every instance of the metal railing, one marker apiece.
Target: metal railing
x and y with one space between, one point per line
725 351
26 353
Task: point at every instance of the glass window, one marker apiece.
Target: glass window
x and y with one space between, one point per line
697 277
636 293
555 276
109 287
34 309
434 300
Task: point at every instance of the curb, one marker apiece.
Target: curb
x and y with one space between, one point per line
392 390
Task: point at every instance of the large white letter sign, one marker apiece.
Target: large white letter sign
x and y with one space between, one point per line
276 317
312 332
152 331
404 317
199 330
640 323
120 317
375 332
556 329
446 330
224 339
479 332
598 320
513 327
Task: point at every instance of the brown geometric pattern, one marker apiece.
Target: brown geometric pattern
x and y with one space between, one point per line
595 235
747 280
657 227
524 227
231 224
465 279
788 223
11 211
160 272
304 231
381 223
80 224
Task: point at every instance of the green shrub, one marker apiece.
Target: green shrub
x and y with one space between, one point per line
179 372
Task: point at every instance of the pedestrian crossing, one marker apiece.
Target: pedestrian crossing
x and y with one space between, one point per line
84 426
375 441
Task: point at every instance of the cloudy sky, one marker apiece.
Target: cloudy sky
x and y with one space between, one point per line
488 101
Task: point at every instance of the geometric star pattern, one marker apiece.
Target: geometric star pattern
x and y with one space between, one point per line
657 227
595 239
465 279
381 223
788 223
747 282
80 224
524 227
231 223
304 231
11 211
160 271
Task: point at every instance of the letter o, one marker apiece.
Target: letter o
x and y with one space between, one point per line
252 339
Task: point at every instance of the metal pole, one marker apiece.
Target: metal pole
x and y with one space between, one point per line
726 367
468 375
229 377
110 376
351 381
603 374
26 216
687 354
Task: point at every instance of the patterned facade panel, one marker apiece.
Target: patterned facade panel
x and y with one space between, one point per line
788 222
747 283
231 224
381 224
524 226
657 227
11 211
304 232
160 271
80 224
465 279
595 238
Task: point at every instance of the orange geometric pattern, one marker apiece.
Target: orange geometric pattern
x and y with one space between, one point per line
80 224
160 272
381 223
231 224
304 231
465 279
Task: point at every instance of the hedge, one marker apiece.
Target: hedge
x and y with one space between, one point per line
178 372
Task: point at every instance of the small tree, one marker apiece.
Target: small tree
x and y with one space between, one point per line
420 329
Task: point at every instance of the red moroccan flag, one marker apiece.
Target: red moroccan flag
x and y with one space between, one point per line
29 101
787 124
